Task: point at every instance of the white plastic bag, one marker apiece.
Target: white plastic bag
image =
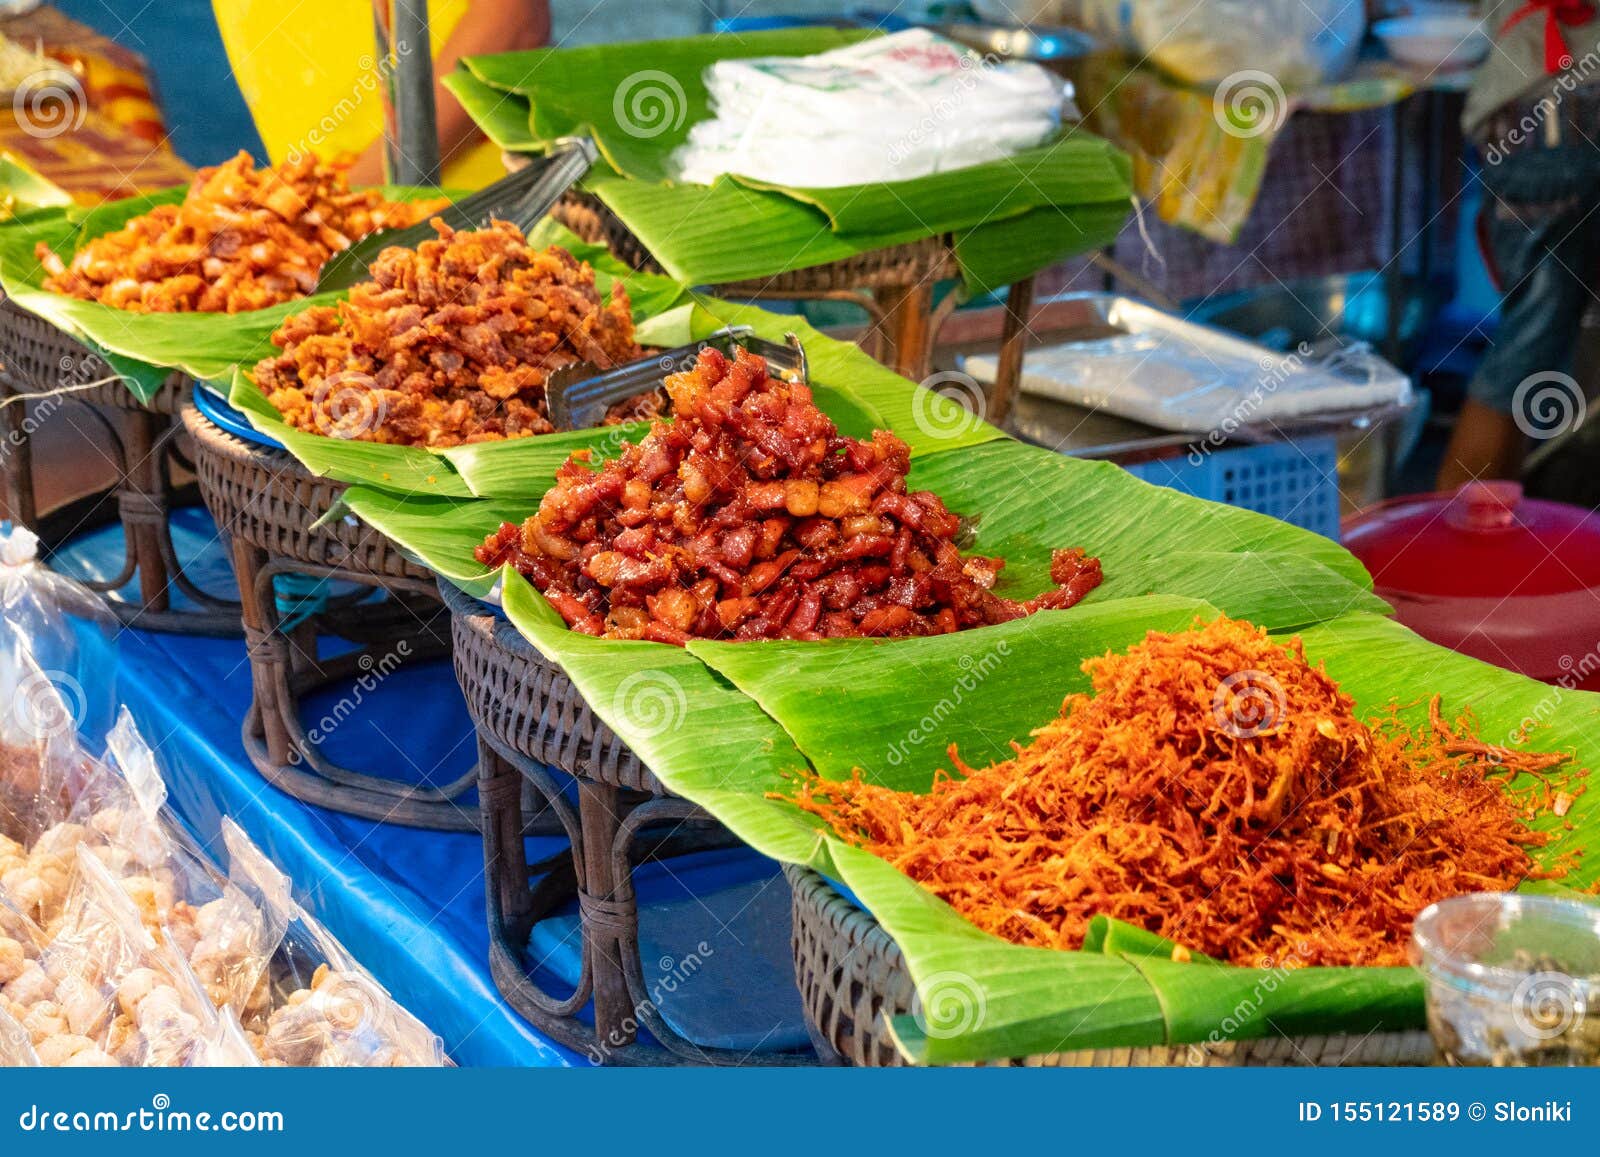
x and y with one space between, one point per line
887 109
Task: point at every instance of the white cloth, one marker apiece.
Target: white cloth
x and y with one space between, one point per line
888 109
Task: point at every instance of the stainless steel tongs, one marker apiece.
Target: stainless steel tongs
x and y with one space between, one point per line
523 198
579 396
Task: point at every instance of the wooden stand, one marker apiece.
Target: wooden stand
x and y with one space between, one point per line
547 763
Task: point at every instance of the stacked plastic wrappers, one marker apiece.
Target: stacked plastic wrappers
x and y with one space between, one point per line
121 942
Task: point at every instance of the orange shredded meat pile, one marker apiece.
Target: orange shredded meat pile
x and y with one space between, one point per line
751 517
242 238
448 343
1218 790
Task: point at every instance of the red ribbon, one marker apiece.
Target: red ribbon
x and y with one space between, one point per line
1556 13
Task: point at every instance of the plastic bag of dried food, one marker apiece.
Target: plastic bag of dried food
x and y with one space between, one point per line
16 1046
40 759
66 630
228 940
119 996
77 801
328 1011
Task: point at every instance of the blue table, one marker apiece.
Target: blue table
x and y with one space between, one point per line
410 904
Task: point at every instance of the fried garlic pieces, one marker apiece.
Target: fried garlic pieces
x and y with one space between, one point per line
449 343
243 238
1215 789
750 517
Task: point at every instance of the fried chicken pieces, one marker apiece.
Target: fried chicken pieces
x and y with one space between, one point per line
751 517
243 238
449 343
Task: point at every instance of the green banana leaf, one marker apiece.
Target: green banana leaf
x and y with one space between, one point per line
141 348
640 101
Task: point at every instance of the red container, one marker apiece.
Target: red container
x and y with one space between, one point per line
1510 580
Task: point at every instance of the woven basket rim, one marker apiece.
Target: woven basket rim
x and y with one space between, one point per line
15 323
828 914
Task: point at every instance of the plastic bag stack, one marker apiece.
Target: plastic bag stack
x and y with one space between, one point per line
887 109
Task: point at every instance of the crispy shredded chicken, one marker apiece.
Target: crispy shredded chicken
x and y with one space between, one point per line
750 517
451 342
243 238
1218 790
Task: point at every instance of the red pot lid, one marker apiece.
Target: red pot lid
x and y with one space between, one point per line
1485 540
1510 580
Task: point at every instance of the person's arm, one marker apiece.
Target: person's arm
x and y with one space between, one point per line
488 26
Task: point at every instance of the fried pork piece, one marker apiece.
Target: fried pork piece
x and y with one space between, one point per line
243 238
751 517
449 343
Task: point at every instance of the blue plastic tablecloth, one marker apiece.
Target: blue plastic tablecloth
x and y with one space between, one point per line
410 904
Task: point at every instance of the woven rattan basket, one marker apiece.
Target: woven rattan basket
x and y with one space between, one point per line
263 496
40 362
269 506
852 977
535 731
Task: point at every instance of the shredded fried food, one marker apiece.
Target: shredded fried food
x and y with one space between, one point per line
242 238
451 342
751 517
1218 790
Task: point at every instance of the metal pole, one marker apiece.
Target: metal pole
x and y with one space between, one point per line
412 133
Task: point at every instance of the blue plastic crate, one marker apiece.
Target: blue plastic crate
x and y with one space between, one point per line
1297 481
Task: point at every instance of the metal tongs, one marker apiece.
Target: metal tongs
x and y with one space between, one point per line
522 198
580 396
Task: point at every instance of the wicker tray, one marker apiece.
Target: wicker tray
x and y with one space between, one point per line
37 359
852 976
536 732
268 506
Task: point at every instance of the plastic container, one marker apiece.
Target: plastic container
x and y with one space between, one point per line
1513 980
1509 580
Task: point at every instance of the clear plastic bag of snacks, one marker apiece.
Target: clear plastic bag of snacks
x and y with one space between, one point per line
16 1048
328 1011
67 632
121 997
